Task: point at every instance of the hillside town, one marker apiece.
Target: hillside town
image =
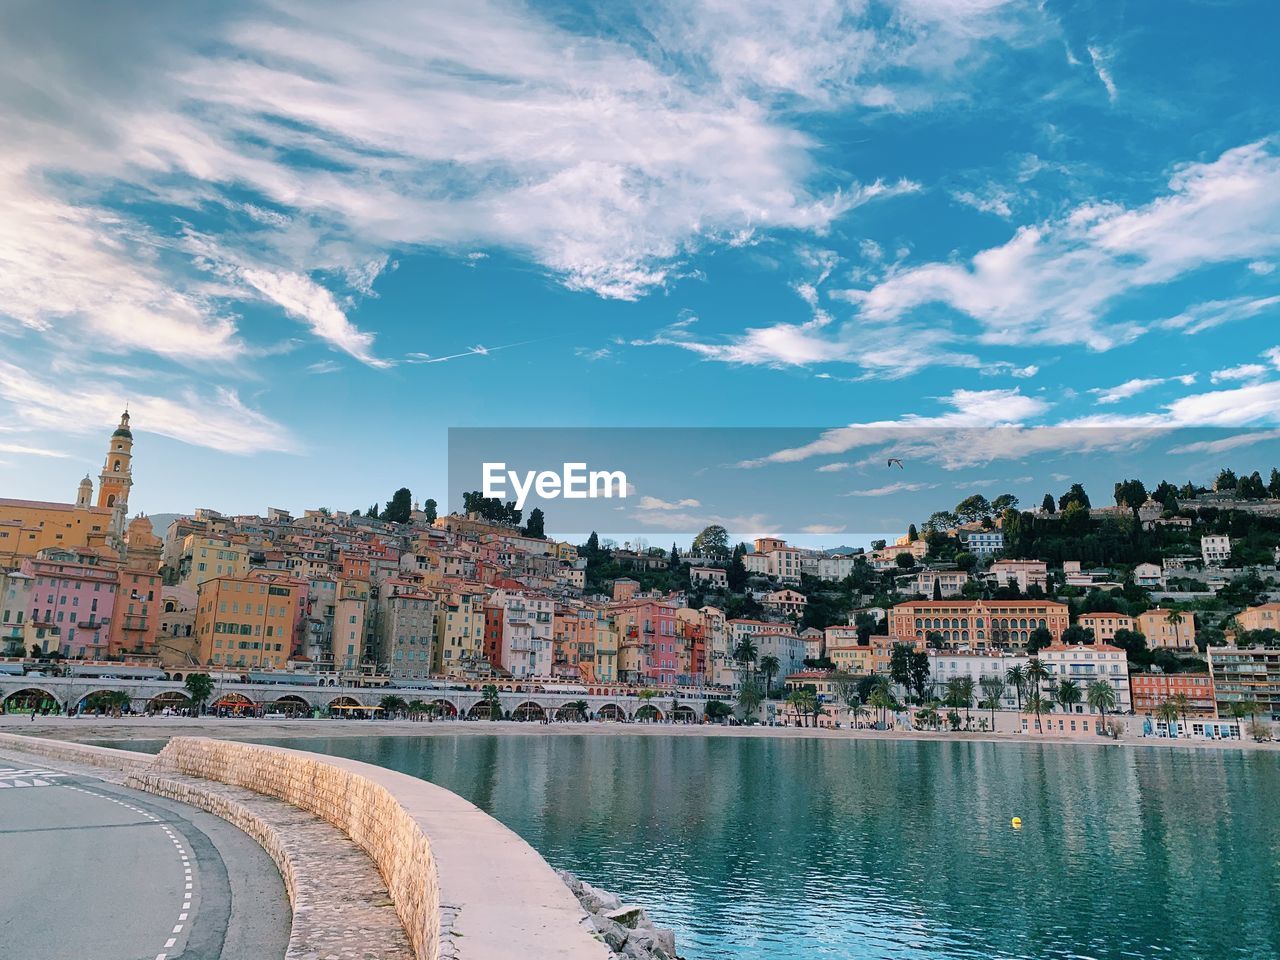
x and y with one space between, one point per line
1161 605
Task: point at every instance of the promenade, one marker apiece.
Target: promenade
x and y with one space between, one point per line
96 869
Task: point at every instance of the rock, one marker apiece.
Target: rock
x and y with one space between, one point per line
629 916
606 900
665 940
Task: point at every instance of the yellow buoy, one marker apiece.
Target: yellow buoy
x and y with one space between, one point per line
1016 823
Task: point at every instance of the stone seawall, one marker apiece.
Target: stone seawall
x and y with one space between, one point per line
463 885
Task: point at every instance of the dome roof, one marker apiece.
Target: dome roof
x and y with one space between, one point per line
123 432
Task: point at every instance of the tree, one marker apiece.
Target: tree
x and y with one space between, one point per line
534 527
1182 703
717 710
973 508
1131 494
749 697
900 665
912 533
1076 634
1016 677
1038 707
804 702
745 652
399 507
1037 674
1101 696
392 705
1067 694
712 542
881 698
1273 485
493 700
993 688
429 511
1074 495
593 545
918 671
1038 639
769 666
200 686
1047 505
904 561
736 575
673 558
1167 711
1226 480
1004 502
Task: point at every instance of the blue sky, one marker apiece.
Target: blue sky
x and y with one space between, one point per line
257 222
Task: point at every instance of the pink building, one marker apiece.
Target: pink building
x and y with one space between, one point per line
650 647
72 602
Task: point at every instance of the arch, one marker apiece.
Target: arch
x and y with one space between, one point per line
115 467
648 713
30 698
234 703
569 711
343 702
446 708
174 699
111 500
529 710
290 703
480 710
684 714
610 711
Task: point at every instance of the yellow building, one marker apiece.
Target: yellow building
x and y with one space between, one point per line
1263 617
1168 628
29 526
247 621
206 558
459 649
852 659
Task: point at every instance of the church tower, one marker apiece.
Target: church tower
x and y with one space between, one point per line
117 475
84 494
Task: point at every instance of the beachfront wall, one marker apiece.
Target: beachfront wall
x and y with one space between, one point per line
463 885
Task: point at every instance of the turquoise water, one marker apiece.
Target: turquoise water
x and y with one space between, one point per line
796 849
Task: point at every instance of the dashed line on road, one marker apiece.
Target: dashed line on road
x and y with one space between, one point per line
185 910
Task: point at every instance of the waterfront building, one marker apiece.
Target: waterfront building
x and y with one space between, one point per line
1243 674
248 622
17 629
1174 630
945 665
978 624
176 642
136 623
852 658
406 627
1149 690
72 602
1085 663
350 618
648 644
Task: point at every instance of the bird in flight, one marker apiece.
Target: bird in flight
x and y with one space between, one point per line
895 462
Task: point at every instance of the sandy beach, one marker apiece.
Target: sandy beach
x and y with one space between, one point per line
86 729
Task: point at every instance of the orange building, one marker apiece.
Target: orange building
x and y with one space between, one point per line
247 621
1105 625
1149 690
978 624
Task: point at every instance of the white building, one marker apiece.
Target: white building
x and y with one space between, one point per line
985 542
946 665
714 577
1215 551
835 567
1085 663
1024 574
949 582
1148 575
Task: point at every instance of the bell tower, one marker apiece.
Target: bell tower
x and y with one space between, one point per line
117 471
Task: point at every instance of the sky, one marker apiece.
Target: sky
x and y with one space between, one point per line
302 245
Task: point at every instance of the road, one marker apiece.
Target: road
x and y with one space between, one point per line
93 869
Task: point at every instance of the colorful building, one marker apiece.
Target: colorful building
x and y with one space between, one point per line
978 624
248 622
1149 690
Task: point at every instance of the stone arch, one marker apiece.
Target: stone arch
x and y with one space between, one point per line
610 711
684 714
291 703
29 698
236 703
529 710
95 699
446 707
568 711
175 699
648 713
342 703
480 710
111 500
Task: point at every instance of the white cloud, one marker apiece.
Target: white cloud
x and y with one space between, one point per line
1228 443
218 419
30 451
823 528
1262 268
993 199
1214 313
1099 61
654 503
1056 282
837 467
1131 388
890 488
1245 371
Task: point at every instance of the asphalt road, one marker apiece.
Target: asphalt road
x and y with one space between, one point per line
92 869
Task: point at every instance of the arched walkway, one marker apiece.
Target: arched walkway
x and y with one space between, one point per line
480 710
170 699
610 711
648 713
234 704
684 714
443 708
30 698
570 711
290 704
529 711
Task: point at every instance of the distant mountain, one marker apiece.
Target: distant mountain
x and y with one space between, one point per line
845 550
160 522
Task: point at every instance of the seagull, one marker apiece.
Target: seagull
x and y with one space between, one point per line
894 461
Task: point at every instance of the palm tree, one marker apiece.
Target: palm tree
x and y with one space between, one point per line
1101 696
1168 712
580 707
965 689
1017 678
1243 708
417 708
881 698
1182 704
1038 706
491 698
745 651
769 666
993 688
803 702
392 705
1067 694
